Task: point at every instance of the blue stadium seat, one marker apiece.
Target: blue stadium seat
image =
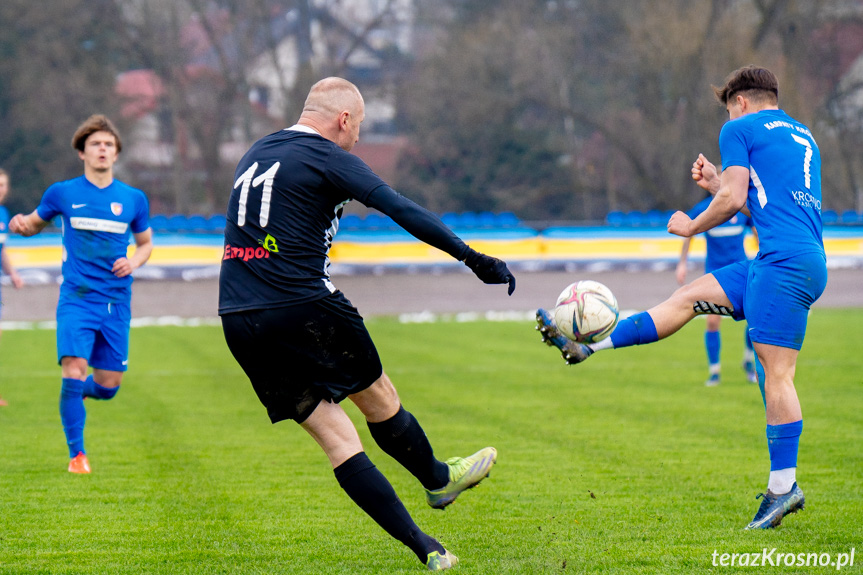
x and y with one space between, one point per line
467 220
615 218
655 218
850 217
485 220
829 217
159 223
635 219
216 223
177 223
350 222
450 219
196 223
507 220
379 222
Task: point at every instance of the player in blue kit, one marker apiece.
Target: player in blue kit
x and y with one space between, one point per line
772 168
6 266
300 341
724 246
99 216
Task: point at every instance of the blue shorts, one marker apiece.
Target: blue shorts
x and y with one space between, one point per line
775 297
98 332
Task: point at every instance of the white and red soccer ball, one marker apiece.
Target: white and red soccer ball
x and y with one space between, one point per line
586 311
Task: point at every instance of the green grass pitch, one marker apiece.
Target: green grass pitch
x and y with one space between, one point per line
625 464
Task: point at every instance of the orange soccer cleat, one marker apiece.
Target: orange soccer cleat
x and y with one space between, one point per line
3 402
79 464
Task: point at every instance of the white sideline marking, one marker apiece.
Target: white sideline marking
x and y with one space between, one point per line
171 320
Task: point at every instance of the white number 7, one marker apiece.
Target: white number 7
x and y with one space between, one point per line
247 179
807 157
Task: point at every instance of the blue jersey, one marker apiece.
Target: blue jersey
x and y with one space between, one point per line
784 181
725 241
97 228
289 191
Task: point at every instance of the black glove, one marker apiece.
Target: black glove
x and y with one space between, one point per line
490 270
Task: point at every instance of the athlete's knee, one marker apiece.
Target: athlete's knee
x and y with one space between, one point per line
379 401
108 379
74 367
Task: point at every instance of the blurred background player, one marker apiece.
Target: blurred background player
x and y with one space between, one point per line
724 246
94 310
5 263
300 341
772 168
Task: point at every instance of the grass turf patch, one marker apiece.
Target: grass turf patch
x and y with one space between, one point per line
624 464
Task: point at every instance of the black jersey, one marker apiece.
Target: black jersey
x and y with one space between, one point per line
289 190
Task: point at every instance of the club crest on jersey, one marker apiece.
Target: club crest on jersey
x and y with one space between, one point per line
116 208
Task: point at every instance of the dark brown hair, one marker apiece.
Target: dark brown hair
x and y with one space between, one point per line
93 124
758 83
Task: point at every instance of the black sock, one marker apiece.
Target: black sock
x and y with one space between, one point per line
369 489
402 438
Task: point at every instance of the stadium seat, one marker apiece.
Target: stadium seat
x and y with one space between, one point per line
507 220
216 223
485 220
196 223
615 219
350 222
635 219
655 218
379 222
850 217
159 223
467 220
177 223
450 219
829 217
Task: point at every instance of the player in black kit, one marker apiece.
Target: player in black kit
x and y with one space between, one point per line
302 344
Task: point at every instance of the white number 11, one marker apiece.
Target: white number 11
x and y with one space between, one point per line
247 179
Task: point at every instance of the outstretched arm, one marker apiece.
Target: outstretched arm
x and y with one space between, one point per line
427 227
731 197
28 225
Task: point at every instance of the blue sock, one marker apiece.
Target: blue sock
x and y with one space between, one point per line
637 329
93 389
72 414
748 340
712 343
782 442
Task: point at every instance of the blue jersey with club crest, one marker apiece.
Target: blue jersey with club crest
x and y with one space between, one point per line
97 227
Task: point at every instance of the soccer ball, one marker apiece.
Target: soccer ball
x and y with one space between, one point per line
586 311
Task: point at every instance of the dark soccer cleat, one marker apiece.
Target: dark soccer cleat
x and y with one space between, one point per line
572 351
775 507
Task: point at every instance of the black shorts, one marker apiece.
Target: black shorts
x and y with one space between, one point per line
298 355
